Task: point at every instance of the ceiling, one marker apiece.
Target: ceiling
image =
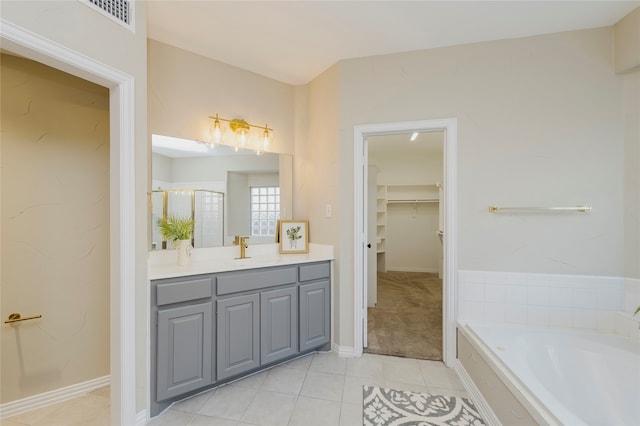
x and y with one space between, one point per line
295 41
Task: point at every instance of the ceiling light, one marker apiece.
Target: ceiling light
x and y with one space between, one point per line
414 135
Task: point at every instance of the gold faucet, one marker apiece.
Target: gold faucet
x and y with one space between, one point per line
241 241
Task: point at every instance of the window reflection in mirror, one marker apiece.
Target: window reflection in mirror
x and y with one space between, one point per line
188 174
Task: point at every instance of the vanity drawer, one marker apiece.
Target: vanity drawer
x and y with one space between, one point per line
182 291
243 281
315 271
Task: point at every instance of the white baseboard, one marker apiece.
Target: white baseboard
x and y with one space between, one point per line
343 351
51 397
481 404
141 418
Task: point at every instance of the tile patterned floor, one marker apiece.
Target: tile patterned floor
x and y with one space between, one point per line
318 389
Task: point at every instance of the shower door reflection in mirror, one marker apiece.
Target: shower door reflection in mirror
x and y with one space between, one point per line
204 206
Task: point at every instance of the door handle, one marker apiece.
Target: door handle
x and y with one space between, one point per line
16 317
369 245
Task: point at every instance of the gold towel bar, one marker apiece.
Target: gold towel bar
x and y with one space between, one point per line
16 317
582 209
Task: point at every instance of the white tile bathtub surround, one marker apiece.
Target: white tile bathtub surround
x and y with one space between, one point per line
580 301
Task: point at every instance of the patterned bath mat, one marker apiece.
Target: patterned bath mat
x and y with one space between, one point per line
389 407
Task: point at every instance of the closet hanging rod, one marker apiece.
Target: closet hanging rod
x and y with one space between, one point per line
411 201
581 209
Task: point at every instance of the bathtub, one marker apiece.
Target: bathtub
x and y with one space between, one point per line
562 376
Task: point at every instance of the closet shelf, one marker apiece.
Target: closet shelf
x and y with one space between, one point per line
413 201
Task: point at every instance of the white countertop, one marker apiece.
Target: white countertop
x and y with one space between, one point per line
164 264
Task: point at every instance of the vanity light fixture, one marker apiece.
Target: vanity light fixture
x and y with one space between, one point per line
241 129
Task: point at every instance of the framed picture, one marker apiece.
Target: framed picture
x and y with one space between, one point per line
294 236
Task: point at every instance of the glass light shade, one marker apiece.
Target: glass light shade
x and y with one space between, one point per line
265 138
242 137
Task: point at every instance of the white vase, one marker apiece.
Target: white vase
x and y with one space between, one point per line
183 247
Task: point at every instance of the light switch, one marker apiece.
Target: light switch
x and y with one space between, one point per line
327 210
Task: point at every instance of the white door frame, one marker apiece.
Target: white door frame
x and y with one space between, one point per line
122 201
361 132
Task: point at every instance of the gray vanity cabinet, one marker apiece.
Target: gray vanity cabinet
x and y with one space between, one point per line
184 336
278 324
259 325
184 340
238 335
315 306
212 328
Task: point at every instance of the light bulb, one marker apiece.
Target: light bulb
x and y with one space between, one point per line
217 131
265 137
242 138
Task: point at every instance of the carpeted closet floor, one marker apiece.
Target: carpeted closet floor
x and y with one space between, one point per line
407 321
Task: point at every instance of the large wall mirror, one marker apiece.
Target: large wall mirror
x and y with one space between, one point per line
227 191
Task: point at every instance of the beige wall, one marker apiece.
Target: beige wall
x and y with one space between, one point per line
627 42
55 228
186 88
76 26
632 174
318 180
540 122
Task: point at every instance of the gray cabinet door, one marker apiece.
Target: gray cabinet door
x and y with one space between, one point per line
238 335
315 311
184 349
278 324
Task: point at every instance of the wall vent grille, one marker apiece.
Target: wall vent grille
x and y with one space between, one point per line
118 9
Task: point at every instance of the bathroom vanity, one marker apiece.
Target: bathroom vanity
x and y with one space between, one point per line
219 320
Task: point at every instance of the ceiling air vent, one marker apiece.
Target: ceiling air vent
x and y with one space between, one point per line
118 10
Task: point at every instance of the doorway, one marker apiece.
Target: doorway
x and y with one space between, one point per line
404 263
122 239
55 230
361 134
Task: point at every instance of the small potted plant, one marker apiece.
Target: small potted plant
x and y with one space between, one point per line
178 231
292 234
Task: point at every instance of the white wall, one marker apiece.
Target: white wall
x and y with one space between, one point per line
55 228
161 167
631 83
412 242
238 212
208 169
627 60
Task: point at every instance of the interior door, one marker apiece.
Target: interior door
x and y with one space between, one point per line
372 256
371 277
366 242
